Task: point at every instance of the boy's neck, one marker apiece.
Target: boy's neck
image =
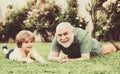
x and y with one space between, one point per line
26 52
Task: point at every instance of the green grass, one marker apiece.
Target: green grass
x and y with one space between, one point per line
107 64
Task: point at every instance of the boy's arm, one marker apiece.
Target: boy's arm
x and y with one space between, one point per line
37 56
18 58
16 55
27 60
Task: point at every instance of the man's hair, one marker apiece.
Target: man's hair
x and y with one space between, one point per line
64 25
22 36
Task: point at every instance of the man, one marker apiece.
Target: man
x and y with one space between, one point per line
76 44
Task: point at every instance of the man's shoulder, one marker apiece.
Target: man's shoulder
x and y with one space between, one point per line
80 32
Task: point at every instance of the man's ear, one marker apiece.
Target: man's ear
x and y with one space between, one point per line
73 31
55 34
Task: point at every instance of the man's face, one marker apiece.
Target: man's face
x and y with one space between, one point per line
65 37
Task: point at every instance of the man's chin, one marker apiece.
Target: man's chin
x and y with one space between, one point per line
65 45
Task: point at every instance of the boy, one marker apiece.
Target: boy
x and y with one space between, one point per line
25 51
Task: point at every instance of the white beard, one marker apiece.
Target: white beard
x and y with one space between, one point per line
67 44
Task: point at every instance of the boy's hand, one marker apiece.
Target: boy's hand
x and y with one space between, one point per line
28 60
43 61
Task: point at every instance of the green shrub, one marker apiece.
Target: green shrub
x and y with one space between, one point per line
14 22
44 20
106 21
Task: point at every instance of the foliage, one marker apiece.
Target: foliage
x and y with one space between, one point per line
71 14
114 21
14 22
39 18
44 20
106 20
107 64
45 17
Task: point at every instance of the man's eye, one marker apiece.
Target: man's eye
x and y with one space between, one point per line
59 35
65 33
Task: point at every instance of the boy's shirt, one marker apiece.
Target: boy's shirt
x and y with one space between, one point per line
17 54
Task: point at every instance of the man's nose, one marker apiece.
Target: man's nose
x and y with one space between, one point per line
63 37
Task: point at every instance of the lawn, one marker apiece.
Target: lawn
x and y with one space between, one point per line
107 64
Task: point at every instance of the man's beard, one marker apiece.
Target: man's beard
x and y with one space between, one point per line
68 43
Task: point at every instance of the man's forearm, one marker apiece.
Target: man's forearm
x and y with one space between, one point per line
78 59
53 58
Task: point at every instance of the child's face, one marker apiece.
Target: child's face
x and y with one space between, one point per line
27 45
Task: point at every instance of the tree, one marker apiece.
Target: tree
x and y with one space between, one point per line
14 22
106 19
43 17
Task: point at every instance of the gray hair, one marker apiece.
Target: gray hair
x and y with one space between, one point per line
64 25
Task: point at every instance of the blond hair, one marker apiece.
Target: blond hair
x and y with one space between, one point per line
24 36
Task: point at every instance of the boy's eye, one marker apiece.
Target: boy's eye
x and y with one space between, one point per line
26 41
31 41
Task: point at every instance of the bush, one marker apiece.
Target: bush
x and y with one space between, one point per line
106 20
14 22
45 18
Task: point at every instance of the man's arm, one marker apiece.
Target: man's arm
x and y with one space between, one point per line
85 56
54 55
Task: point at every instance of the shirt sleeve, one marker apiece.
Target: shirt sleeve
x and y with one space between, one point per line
15 55
86 44
55 46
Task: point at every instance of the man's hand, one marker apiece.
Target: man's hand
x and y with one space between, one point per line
63 58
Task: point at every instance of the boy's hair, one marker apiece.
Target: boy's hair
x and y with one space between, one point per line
24 36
